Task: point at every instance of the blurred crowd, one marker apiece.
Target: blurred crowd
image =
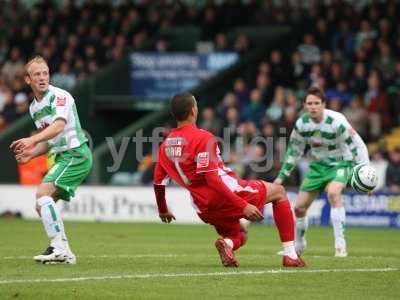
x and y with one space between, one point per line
352 53
79 37
349 48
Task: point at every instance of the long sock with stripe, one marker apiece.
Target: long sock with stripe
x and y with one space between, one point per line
52 222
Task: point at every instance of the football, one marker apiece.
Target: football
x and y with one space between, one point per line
364 178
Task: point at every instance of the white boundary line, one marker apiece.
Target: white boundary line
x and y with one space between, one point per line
107 256
133 256
211 274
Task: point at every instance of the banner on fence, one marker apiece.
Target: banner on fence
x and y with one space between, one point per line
161 75
137 204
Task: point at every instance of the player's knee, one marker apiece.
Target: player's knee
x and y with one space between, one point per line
333 195
41 193
300 211
43 190
279 192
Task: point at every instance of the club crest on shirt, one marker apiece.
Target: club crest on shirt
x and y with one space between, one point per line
61 101
203 159
43 125
316 140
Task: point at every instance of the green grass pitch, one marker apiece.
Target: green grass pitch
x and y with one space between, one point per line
159 261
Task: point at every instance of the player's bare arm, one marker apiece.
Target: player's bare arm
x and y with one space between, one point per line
45 135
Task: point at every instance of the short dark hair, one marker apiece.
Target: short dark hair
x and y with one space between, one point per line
181 105
317 92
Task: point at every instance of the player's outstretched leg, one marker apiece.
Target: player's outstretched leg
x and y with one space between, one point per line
338 217
284 222
58 251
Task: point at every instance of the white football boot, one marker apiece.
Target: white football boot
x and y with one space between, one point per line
341 252
56 256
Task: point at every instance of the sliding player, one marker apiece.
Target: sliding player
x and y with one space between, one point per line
190 156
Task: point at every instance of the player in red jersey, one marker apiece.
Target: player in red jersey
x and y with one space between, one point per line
190 156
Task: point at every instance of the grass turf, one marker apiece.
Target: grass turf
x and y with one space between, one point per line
162 261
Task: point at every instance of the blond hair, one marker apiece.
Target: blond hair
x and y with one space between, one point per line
36 59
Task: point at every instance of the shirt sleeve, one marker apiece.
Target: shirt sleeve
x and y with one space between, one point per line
352 139
160 176
160 180
295 150
207 155
62 106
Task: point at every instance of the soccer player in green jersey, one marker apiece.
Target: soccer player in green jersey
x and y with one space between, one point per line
54 113
335 148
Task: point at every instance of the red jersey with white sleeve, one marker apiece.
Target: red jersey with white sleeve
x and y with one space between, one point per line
190 156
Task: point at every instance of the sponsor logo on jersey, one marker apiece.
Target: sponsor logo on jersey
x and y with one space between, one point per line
203 159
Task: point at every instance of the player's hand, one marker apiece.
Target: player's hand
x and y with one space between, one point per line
23 156
22 144
167 217
252 213
278 181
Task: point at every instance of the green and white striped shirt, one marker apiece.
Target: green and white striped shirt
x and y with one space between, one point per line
331 141
58 104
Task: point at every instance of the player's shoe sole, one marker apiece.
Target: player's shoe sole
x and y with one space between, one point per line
226 254
292 263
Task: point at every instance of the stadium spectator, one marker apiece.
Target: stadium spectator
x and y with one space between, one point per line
13 66
242 44
210 122
232 123
21 104
356 114
256 166
377 105
380 164
384 61
264 85
309 51
393 171
64 78
275 110
229 101
358 82
241 91
221 42
339 92
9 112
255 110
279 74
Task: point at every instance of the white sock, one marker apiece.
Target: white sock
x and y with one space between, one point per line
64 236
52 222
229 242
289 250
338 218
301 228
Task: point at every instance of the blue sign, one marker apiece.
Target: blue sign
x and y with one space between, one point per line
377 210
155 75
